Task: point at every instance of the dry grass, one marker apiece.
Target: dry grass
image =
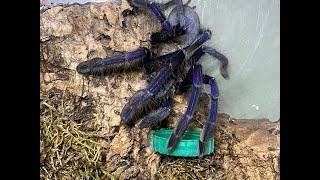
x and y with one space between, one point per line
66 150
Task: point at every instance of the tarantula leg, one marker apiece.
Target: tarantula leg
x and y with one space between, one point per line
154 7
190 22
109 64
165 6
208 127
167 89
163 36
160 16
158 62
135 106
156 117
180 12
193 48
141 99
196 57
159 81
222 58
139 3
187 81
184 20
183 123
145 97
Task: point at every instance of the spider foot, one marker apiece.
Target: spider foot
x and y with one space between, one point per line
222 58
135 106
208 128
184 122
156 117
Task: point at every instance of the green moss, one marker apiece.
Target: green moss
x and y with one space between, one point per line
66 151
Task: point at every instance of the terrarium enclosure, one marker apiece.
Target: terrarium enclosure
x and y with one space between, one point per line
82 136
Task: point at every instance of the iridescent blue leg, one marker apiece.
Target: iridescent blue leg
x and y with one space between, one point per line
196 57
181 16
164 36
192 51
170 3
154 7
160 16
165 23
99 66
184 122
187 81
207 130
188 20
156 117
165 6
184 21
144 97
222 58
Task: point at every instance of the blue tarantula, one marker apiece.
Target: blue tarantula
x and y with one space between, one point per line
169 73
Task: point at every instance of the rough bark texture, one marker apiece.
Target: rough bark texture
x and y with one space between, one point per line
245 149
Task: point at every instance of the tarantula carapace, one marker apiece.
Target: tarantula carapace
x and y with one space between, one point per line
169 73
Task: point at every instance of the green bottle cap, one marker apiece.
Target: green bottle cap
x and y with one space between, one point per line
187 147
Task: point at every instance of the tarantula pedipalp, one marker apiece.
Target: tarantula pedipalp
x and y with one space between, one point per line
173 72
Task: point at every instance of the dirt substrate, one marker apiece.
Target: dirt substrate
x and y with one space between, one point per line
82 136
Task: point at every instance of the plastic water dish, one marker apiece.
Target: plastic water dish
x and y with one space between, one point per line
187 147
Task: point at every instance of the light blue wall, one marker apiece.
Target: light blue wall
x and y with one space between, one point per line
248 32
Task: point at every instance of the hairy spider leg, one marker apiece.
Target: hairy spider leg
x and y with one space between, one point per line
164 36
144 97
156 9
139 3
184 21
160 16
222 58
184 122
173 64
197 54
166 5
196 57
198 42
180 11
170 3
191 21
207 130
187 81
112 63
214 93
157 116
166 25
194 50
158 62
